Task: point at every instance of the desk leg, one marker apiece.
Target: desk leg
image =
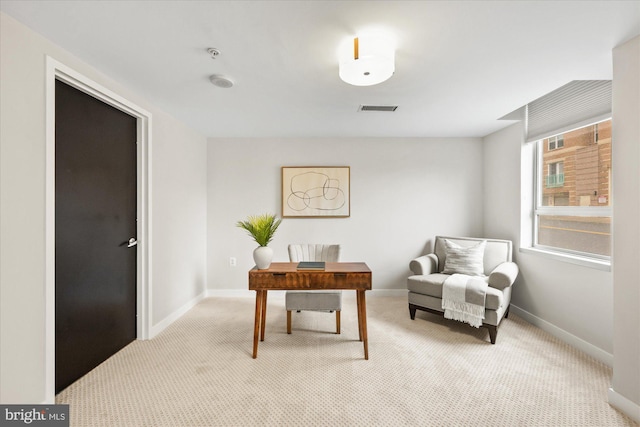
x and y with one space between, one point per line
359 305
257 322
264 314
363 320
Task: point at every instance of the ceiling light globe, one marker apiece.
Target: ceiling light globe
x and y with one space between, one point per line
366 60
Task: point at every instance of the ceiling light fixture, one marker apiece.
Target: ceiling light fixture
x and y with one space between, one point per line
367 59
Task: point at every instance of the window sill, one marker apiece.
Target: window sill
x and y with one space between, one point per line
597 264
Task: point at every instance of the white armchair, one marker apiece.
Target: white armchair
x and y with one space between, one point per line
425 286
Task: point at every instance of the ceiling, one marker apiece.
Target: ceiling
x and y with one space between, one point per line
459 65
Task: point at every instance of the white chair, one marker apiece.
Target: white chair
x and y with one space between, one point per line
314 300
500 272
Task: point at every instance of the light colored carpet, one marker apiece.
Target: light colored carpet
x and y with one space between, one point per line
425 372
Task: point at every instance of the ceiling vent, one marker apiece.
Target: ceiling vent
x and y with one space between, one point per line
388 108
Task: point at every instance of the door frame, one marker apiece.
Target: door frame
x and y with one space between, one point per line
58 71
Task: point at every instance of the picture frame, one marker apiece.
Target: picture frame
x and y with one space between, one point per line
316 191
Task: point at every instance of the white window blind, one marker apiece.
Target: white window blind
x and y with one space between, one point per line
571 106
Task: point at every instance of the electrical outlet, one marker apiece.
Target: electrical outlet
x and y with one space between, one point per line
233 261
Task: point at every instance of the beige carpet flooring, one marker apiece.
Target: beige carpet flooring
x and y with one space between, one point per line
426 372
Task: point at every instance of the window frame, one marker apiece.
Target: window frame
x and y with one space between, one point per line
538 210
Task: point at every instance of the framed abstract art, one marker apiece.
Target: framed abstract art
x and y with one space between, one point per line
316 191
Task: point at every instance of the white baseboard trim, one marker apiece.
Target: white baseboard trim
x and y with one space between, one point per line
389 293
572 340
164 323
629 408
237 293
232 293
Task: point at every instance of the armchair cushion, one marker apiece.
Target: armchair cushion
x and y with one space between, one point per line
464 259
431 285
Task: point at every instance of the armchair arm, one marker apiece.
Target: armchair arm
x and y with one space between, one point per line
503 275
426 264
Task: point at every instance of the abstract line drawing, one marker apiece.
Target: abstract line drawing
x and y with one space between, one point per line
315 191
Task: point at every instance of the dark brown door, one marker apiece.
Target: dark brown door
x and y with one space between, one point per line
95 218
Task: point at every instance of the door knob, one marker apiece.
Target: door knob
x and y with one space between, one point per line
132 242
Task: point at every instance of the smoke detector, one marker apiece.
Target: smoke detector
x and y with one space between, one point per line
221 81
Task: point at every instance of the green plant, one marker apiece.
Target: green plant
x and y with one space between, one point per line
261 227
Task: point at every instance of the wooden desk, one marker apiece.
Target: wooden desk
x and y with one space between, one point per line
284 276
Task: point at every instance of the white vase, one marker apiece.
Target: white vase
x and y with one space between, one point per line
262 255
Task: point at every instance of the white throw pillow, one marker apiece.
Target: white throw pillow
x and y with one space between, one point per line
464 259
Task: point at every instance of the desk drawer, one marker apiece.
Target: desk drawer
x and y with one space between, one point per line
340 281
267 280
309 280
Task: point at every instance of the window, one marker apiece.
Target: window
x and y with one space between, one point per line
556 142
555 177
573 192
566 181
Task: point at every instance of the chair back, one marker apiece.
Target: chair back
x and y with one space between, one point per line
314 252
496 252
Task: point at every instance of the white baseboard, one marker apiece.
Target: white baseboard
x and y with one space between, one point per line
389 293
162 325
572 340
237 293
629 408
234 293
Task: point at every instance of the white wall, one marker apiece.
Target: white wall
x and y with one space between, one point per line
178 208
403 193
626 227
179 217
571 301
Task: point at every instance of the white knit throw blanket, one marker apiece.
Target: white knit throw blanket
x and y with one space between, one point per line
463 298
